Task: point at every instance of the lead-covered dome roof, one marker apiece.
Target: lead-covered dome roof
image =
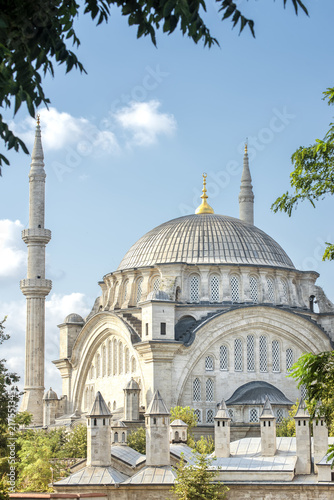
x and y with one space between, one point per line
206 239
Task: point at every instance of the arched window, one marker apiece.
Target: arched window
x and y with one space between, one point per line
115 357
104 361
231 413
98 365
156 284
234 283
125 290
91 397
114 405
109 357
209 364
194 289
289 359
279 415
276 356
223 357
209 390
238 355
198 414
270 289
86 399
127 360
263 354
196 390
214 289
139 289
120 357
116 437
133 365
253 286
123 437
303 392
92 371
285 291
254 415
209 416
250 353
178 294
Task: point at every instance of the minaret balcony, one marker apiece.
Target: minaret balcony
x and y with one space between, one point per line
36 235
35 286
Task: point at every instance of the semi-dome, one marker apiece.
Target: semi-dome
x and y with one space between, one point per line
74 318
206 239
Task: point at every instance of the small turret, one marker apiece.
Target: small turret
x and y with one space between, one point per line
119 432
303 439
157 432
246 195
98 434
178 431
222 431
131 401
268 430
320 440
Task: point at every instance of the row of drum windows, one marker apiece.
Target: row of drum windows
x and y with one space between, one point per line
214 291
207 416
251 361
113 358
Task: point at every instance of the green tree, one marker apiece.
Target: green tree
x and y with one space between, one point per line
313 175
35 35
287 427
196 481
137 440
184 413
75 445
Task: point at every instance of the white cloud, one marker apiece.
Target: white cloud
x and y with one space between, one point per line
61 129
57 307
13 252
145 122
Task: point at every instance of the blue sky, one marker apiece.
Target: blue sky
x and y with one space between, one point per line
125 147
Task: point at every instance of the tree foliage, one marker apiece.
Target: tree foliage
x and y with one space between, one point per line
184 413
197 481
313 175
287 427
36 34
137 440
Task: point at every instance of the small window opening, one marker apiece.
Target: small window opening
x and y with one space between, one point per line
162 328
95 421
146 328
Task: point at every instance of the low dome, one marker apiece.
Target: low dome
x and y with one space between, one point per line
74 318
50 394
178 423
256 393
132 384
206 239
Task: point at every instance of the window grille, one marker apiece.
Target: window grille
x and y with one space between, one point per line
253 285
250 353
104 361
223 357
115 356
238 355
276 356
98 363
234 282
303 392
263 354
120 357
125 290
209 390
209 417
156 285
109 357
209 364
194 289
253 415
285 291
196 390
289 359
214 289
231 413
279 415
270 289
139 289
198 414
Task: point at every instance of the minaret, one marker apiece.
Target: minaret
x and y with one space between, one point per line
246 195
35 287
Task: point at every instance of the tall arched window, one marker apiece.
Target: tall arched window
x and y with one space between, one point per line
238 355
198 414
250 353
156 284
270 289
115 357
133 365
125 290
234 282
104 361
223 357
214 289
139 289
209 364
254 415
285 291
127 360
289 359
196 390
194 289
263 354
98 365
209 390
253 285
276 356
109 357
120 357
86 400
209 416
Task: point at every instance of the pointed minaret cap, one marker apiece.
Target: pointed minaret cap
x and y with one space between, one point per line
222 412
267 411
204 207
246 195
37 156
302 411
157 405
99 408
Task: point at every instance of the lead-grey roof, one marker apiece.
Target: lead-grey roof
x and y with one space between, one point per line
255 393
157 405
153 475
99 408
205 239
93 476
127 455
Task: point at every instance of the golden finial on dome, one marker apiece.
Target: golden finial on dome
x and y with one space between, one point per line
246 146
204 207
38 119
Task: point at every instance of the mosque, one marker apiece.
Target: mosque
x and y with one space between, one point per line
203 308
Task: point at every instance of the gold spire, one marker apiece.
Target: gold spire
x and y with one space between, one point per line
204 207
38 119
246 146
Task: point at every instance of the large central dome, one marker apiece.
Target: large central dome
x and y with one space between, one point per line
206 239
